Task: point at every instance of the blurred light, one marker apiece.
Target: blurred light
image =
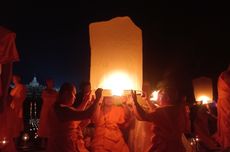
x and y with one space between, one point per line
154 95
197 139
25 137
117 82
204 99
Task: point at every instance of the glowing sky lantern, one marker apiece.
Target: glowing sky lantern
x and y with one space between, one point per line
116 55
203 90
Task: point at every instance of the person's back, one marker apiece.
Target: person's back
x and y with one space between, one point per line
63 125
61 133
49 96
168 121
18 96
168 128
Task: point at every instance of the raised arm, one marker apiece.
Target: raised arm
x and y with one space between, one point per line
141 114
67 113
97 112
86 101
150 104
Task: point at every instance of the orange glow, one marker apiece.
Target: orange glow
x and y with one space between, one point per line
116 55
154 95
203 90
204 99
117 82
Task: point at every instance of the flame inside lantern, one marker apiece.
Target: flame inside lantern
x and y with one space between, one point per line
203 90
117 82
204 99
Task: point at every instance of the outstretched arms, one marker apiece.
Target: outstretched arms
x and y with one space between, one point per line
141 114
67 113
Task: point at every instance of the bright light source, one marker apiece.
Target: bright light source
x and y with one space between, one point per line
154 95
117 82
203 89
204 99
25 137
3 141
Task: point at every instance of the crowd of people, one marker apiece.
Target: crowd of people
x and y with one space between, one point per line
86 121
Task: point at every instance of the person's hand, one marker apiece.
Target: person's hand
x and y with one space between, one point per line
98 93
134 95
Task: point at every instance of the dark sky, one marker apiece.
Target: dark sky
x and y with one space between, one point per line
54 42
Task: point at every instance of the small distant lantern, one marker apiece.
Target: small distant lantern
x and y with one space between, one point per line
116 56
203 90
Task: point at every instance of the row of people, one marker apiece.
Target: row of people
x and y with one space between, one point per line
62 119
64 131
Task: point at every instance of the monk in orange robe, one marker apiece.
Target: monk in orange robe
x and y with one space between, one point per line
168 121
8 55
18 95
107 136
49 96
223 108
141 141
63 119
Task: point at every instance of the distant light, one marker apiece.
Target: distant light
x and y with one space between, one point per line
4 141
197 139
25 137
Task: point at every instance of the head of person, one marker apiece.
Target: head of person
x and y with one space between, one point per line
108 101
50 83
85 87
16 79
67 94
146 88
168 96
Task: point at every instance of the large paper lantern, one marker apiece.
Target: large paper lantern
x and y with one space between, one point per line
116 55
203 90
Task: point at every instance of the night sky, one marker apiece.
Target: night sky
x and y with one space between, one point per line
192 37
